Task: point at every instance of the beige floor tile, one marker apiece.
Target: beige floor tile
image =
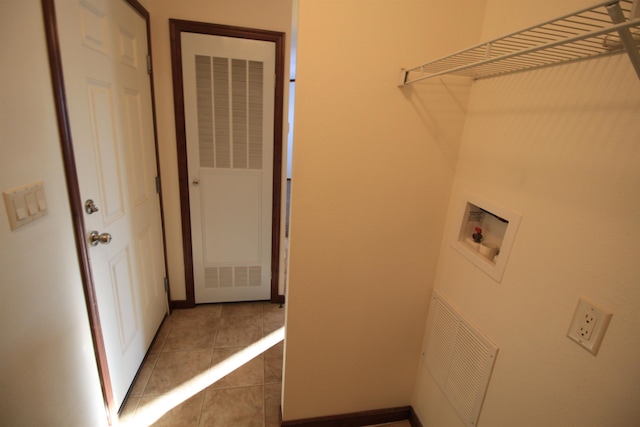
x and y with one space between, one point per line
242 309
236 331
127 415
202 316
186 414
249 374
272 323
202 310
273 364
198 334
269 308
161 337
241 407
173 369
272 400
144 374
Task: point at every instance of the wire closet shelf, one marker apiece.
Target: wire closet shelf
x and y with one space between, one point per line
607 28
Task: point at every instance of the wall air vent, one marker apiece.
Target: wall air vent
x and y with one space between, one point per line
460 359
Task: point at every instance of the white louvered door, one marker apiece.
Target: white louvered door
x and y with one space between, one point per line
229 97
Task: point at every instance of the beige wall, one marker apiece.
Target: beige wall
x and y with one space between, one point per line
47 365
372 172
273 15
560 146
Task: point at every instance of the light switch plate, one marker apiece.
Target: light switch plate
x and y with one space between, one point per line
589 323
25 204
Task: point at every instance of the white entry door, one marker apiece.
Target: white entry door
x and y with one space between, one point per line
104 54
228 86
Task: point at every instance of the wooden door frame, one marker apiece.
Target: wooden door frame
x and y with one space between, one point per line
177 27
75 198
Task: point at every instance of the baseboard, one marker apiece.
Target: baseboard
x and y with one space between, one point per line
278 299
413 419
183 303
359 419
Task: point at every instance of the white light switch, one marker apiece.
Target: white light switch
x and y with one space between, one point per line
25 204
32 205
42 202
20 207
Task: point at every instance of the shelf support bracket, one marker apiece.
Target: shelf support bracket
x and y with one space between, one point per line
617 16
402 80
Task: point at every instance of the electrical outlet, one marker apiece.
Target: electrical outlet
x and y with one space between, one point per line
589 324
585 327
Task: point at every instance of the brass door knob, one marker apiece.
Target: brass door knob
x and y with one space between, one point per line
95 238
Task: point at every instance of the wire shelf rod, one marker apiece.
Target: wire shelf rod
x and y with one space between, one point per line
496 69
592 47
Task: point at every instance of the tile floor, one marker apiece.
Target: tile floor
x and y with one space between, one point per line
192 345
188 378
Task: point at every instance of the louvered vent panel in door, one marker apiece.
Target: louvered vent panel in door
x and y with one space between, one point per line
229 103
225 276
460 359
205 110
241 276
238 276
211 277
239 112
221 113
255 275
256 87
218 277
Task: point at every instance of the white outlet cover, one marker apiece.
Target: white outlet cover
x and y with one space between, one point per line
601 318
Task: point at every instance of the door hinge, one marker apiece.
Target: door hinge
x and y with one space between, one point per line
149 64
166 284
158 184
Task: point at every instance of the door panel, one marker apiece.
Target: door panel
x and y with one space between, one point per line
228 86
232 225
103 45
102 113
124 298
133 115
